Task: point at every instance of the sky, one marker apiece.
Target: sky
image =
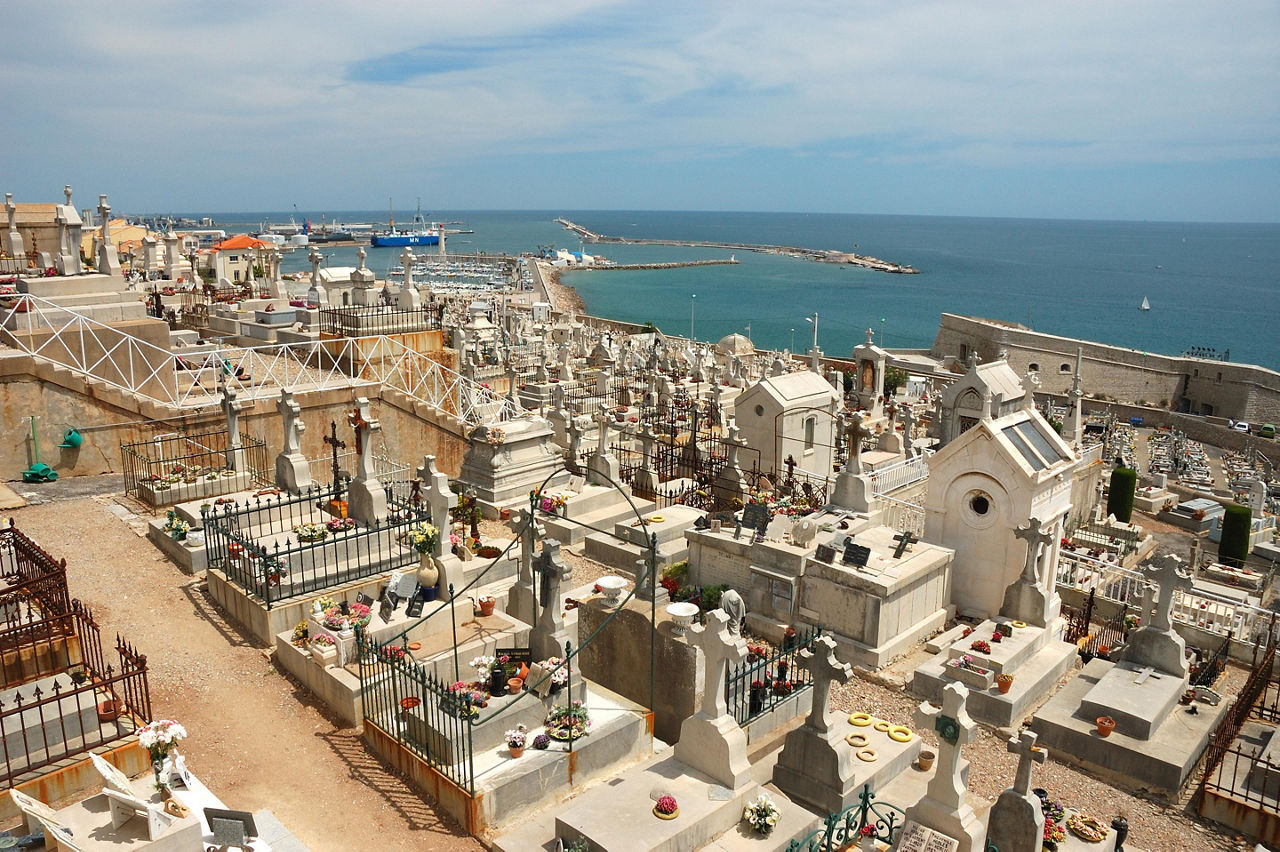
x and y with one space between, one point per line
1164 110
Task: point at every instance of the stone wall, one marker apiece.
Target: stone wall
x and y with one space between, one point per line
1240 391
107 418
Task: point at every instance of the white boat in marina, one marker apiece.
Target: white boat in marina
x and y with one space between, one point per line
1145 306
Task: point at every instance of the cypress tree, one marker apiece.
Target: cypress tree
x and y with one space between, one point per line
1124 484
1233 547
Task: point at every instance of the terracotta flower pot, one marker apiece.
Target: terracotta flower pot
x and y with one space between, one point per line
926 759
504 514
110 710
1004 683
1106 725
486 608
514 685
516 752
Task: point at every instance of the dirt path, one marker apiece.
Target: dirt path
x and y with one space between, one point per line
257 739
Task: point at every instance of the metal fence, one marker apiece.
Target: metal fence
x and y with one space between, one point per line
867 819
75 713
1230 765
30 573
173 459
364 321
756 686
255 543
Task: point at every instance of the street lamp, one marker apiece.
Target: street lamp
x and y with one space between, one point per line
813 320
882 331
793 340
693 297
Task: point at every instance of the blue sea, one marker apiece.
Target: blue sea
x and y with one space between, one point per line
1209 285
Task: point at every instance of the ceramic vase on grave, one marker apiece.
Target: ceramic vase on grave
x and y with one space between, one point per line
428 571
497 680
515 685
428 593
486 607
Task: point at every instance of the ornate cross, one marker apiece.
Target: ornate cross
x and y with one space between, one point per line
1024 746
955 729
825 669
907 418
1035 535
854 432
602 421
1167 571
718 649
336 443
904 540
293 425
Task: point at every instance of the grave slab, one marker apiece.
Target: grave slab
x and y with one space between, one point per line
1138 699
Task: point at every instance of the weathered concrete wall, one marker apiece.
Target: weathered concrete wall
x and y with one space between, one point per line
107 418
1241 391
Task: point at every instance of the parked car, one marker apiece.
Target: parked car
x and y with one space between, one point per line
1268 430
1240 426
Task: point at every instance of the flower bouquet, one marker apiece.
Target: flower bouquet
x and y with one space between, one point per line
359 615
175 526
981 646
568 723
339 524
310 532
761 814
422 537
666 808
160 738
335 620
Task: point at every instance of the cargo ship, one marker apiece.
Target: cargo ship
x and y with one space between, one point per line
421 232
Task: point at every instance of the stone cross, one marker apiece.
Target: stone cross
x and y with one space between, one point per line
361 254
871 337
603 421
1024 746
1167 572
438 497
12 210
550 570
825 669
733 444
231 407
575 441
316 259
1035 535
293 425
104 213
854 433
719 649
954 729
362 421
908 420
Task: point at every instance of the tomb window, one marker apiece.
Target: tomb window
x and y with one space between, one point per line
810 424
1064 368
1218 380
1033 367
759 411
980 504
1195 374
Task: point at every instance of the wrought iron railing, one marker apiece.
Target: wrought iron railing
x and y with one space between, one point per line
254 543
756 686
361 321
191 460
1223 757
74 713
30 573
869 819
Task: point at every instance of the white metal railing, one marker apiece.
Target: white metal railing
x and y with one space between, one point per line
1089 455
890 478
901 515
99 351
1203 610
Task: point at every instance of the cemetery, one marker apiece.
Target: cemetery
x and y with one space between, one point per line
646 593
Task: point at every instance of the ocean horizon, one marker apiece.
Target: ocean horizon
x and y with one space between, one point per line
1210 285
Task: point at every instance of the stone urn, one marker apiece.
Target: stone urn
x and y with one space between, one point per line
611 586
682 615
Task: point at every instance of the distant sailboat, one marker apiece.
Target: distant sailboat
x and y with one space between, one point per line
1145 306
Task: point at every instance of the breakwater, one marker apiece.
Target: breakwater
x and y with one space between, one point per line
819 255
673 264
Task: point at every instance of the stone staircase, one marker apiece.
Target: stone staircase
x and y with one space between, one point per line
597 506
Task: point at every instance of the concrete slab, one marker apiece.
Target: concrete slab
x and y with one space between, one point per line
10 499
1161 762
1139 700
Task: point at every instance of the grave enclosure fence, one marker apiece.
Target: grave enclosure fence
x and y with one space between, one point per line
253 542
866 818
191 458
755 687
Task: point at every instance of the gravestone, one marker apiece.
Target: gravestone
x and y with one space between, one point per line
944 807
548 637
108 262
293 473
1016 820
520 597
602 466
437 498
804 532
711 741
232 407
1026 599
366 496
1157 644
816 765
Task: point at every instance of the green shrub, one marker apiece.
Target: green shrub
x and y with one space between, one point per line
711 597
1124 484
678 571
1233 548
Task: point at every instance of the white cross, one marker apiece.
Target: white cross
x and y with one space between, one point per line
947 786
1167 572
364 425
825 668
719 649
293 425
1024 746
1035 535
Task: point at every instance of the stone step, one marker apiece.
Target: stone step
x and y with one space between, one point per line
1033 681
571 532
670 529
622 555
52 288
591 499
944 639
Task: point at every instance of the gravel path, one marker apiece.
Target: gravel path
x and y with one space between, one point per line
258 739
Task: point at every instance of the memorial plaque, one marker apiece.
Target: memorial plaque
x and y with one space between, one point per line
364 599
917 838
756 517
855 554
701 523
386 611
725 518
826 553
414 609
517 655
715 526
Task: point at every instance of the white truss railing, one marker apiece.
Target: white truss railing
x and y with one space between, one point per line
901 515
890 478
96 350
1089 455
1202 610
